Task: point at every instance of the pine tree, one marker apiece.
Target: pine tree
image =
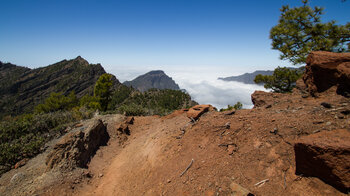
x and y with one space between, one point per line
301 31
103 90
282 80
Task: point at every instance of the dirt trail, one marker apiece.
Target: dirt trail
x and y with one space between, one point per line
138 160
257 146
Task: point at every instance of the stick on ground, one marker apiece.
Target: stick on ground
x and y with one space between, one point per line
188 167
261 182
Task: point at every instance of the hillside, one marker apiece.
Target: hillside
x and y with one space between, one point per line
288 144
247 78
153 79
22 88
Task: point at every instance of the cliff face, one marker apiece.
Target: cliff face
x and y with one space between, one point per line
153 79
22 88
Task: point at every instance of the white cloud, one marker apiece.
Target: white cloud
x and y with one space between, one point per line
201 83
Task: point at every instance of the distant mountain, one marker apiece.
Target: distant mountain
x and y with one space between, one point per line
153 79
247 78
22 88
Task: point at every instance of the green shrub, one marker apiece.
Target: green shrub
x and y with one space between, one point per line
24 136
57 102
281 81
132 110
237 106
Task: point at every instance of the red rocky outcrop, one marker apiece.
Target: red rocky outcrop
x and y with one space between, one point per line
77 147
325 155
327 69
196 111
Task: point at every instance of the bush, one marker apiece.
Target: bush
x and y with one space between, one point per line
281 81
57 102
132 110
237 106
24 136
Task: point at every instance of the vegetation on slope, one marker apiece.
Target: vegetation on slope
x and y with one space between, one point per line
25 135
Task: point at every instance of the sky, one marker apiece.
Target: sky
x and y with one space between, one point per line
193 41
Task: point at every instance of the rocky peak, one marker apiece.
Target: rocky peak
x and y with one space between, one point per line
81 60
153 79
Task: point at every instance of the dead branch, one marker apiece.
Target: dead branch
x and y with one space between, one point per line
188 167
261 182
227 144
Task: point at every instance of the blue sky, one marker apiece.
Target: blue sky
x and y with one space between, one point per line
193 41
147 32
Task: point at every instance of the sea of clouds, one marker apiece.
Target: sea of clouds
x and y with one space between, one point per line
201 83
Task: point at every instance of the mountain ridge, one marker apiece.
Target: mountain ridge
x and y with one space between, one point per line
247 78
22 88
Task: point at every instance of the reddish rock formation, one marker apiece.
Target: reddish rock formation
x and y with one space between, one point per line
325 155
327 69
258 98
196 111
77 147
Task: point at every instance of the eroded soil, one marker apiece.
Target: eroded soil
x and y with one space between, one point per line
257 146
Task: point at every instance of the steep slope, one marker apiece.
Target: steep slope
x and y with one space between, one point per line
153 79
247 78
24 88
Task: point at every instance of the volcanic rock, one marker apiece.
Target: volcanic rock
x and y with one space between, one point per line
196 111
77 147
325 155
327 69
262 98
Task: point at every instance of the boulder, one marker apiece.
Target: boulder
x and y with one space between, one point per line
76 148
262 98
197 111
327 69
325 155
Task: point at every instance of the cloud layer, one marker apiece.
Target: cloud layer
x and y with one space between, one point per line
202 84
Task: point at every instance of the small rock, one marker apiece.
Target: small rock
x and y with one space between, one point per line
237 189
274 131
316 131
231 112
78 125
326 105
328 123
268 106
318 122
227 125
17 177
100 175
130 120
168 181
231 149
304 96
